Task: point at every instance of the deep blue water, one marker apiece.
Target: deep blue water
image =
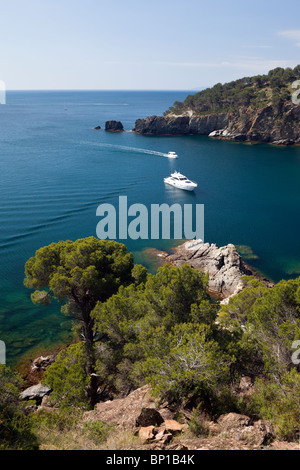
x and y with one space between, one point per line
55 171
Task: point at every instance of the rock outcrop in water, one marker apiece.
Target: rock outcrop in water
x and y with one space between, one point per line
114 126
245 125
224 266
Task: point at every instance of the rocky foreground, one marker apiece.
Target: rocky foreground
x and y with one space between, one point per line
245 125
147 425
224 266
140 422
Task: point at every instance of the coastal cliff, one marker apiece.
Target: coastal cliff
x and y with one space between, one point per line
253 109
246 125
181 125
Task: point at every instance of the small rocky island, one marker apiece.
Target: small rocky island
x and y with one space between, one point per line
263 108
114 126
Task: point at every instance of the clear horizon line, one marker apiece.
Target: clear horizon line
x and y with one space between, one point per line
104 89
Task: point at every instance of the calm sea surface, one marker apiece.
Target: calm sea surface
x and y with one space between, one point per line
55 170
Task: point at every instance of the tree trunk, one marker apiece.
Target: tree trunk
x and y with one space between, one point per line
91 360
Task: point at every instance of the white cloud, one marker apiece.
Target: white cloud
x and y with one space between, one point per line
258 65
293 34
188 64
257 47
255 64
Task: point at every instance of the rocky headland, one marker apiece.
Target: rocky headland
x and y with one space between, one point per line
180 125
244 125
263 108
224 266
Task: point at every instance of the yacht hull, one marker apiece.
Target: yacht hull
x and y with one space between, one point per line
185 187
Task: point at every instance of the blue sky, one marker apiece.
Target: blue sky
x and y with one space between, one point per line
157 44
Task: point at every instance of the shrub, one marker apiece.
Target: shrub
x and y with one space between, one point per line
280 404
68 379
15 426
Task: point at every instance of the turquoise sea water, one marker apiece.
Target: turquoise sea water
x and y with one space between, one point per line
55 170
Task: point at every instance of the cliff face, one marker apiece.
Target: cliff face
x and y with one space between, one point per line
181 125
259 125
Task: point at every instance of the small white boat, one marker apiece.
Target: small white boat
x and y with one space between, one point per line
172 155
180 181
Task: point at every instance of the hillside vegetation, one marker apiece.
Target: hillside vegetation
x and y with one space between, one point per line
256 92
135 329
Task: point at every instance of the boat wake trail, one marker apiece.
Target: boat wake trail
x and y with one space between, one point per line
126 149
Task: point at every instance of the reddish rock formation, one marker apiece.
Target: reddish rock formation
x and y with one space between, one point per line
230 432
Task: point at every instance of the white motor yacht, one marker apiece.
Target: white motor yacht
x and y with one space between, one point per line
172 155
180 181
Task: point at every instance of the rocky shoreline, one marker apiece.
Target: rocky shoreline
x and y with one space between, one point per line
224 265
245 125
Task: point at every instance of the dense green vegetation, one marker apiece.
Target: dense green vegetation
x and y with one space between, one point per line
15 426
163 330
256 92
79 274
